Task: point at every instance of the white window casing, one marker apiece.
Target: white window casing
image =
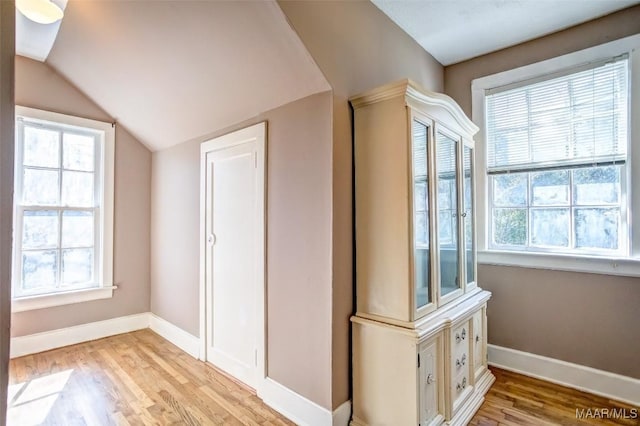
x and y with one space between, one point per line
101 285
626 260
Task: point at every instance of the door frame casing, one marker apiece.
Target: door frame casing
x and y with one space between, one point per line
257 134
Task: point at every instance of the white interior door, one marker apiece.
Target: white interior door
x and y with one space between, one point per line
234 255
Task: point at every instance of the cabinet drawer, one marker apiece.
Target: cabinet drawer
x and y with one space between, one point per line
460 336
460 363
461 389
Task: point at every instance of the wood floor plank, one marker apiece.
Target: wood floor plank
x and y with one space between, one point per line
139 379
521 400
132 379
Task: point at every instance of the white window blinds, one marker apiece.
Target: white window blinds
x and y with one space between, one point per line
571 120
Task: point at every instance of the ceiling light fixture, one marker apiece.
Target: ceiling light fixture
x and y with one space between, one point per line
40 11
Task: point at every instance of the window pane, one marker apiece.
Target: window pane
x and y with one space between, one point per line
446 149
422 268
597 228
510 227
78 152
40 187
510 190
41 147
550 188
39 269
445 227
422 229
596 185
39 229
77 189
77 266
444 193
550 227
77 229
468 214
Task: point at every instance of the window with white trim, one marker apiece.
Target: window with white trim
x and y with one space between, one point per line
557 162
63 207
556 155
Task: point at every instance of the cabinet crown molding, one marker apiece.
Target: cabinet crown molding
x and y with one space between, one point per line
415 96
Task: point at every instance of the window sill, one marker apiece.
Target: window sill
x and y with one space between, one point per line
558 262
58 299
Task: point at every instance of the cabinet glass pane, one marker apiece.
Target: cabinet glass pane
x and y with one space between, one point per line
470 253
447 213
422 271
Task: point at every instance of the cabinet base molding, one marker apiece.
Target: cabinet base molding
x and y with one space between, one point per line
603 383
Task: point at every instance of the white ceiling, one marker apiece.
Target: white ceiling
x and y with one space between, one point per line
456 30
172 71
36 40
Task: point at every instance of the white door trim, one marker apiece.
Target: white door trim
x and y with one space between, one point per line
256 133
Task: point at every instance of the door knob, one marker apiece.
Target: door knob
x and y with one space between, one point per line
211 239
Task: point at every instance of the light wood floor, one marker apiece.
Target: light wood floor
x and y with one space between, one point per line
139 378
134 378
515 399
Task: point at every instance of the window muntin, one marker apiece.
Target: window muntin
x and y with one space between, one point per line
58 207
556 154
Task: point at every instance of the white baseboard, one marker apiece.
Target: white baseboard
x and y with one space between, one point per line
299 409
292 405
342 414
587 379
174 334
40 342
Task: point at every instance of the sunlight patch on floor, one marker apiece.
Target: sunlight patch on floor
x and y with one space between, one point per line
30 402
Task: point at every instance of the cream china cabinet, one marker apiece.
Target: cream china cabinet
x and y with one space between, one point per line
419 333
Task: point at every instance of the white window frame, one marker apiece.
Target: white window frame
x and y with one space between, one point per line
104 177
602 264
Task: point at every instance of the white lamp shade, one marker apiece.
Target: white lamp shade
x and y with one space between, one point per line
40 11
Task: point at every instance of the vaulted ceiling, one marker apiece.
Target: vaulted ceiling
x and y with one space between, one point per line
174 71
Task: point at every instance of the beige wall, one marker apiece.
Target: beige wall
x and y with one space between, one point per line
298 242
7 51
357 48
587 319
38 86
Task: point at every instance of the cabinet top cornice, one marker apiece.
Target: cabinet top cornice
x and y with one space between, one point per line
415 96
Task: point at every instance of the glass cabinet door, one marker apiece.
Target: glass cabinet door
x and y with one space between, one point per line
467 214
446 160
421 252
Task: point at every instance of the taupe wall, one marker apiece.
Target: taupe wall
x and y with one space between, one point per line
587 319
299 207
7 52
39 86
357 48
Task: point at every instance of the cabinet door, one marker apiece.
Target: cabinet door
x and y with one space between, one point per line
479 357
428 382
447 182
468 214
421 240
